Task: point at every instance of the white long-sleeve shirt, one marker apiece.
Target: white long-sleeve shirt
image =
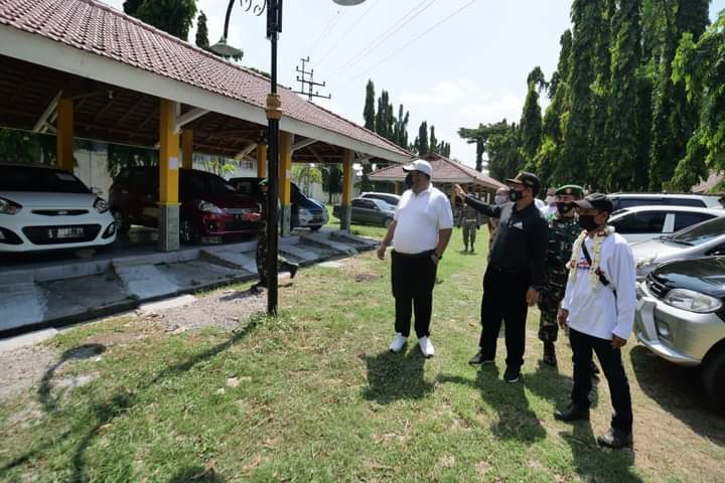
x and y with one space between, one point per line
595 310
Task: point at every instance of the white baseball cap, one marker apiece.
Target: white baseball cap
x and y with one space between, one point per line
420 165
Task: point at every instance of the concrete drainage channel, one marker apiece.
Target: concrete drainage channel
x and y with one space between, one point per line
55 294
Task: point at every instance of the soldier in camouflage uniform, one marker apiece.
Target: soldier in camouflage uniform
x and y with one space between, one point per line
470 221
261 254
563 230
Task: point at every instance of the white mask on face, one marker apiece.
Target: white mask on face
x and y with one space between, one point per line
550 200
500 199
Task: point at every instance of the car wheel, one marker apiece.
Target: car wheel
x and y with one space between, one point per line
713 373
387 222
122 224
187 232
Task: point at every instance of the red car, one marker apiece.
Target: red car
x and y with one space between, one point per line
210 207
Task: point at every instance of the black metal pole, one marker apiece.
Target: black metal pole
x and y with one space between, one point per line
274 114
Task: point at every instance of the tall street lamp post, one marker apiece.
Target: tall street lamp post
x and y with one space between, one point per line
274 114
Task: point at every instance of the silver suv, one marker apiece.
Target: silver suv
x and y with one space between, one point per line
681 317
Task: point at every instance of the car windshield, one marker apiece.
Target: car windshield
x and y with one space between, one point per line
700 233
30 178
217 186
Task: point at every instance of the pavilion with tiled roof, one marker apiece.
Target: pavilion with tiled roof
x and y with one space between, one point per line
446 173
79 68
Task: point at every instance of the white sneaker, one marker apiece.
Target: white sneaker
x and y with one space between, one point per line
426 347
398 343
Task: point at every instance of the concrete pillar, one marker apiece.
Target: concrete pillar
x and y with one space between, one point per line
261 160
168 177
187 149
64 136
346 208
285 189
397 187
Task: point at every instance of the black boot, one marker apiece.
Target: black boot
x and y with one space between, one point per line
549 357
616 439
572 413
293 267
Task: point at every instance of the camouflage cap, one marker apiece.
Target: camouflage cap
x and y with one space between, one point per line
571 189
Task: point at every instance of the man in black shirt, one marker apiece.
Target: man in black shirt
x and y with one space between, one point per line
515 273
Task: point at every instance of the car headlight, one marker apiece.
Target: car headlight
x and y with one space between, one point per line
100 205
208 207
8 207
692 301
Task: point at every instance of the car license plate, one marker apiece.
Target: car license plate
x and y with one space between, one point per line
74 232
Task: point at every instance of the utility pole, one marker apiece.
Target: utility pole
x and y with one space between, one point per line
309 83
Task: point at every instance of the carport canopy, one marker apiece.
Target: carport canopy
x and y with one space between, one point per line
79 68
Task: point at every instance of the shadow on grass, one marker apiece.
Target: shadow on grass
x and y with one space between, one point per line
196 473
678 391
550 384
396 376
593 463
516 420
102 414
85 351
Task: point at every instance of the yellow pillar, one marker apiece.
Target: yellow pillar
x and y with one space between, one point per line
64 136
397 187
285 175
168 176
346 190
187 149
261 160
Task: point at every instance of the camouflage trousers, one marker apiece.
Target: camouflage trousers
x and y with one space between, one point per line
469 232
549 307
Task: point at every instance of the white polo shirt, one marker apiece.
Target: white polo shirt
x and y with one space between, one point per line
418 218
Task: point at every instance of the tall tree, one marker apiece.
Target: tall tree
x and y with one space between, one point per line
624 166
421 142
481 135
700 66
172 16
504 151
401 128
202 32
369 110
673 118
433 148
571 167
131 6
530 124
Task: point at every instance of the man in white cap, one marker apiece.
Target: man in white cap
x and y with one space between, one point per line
419 234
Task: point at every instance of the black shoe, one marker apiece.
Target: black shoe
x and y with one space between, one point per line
616 439
511 375
549 357
572 413
479 359
293 270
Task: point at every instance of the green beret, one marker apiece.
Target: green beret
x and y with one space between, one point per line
571 189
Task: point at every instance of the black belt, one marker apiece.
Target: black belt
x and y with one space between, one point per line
426 253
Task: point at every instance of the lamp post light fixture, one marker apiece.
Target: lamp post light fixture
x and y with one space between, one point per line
274 114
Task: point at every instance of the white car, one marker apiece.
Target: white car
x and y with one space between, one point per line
46 208
705 239
629 200
640 223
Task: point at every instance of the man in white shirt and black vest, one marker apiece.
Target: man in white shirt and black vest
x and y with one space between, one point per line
419 235
598 308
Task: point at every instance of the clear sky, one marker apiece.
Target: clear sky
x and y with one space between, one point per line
451 62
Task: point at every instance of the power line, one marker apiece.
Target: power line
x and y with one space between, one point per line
347 32
310 83
398 50
329 27
395 28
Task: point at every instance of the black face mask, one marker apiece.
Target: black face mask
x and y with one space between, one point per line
409 180
587 222
515 195
564 208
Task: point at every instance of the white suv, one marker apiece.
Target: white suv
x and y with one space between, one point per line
46 208
628 200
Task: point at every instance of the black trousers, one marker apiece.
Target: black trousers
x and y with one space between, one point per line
504 299
582 346
413 278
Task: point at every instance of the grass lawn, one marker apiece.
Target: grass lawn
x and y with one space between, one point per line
315 396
